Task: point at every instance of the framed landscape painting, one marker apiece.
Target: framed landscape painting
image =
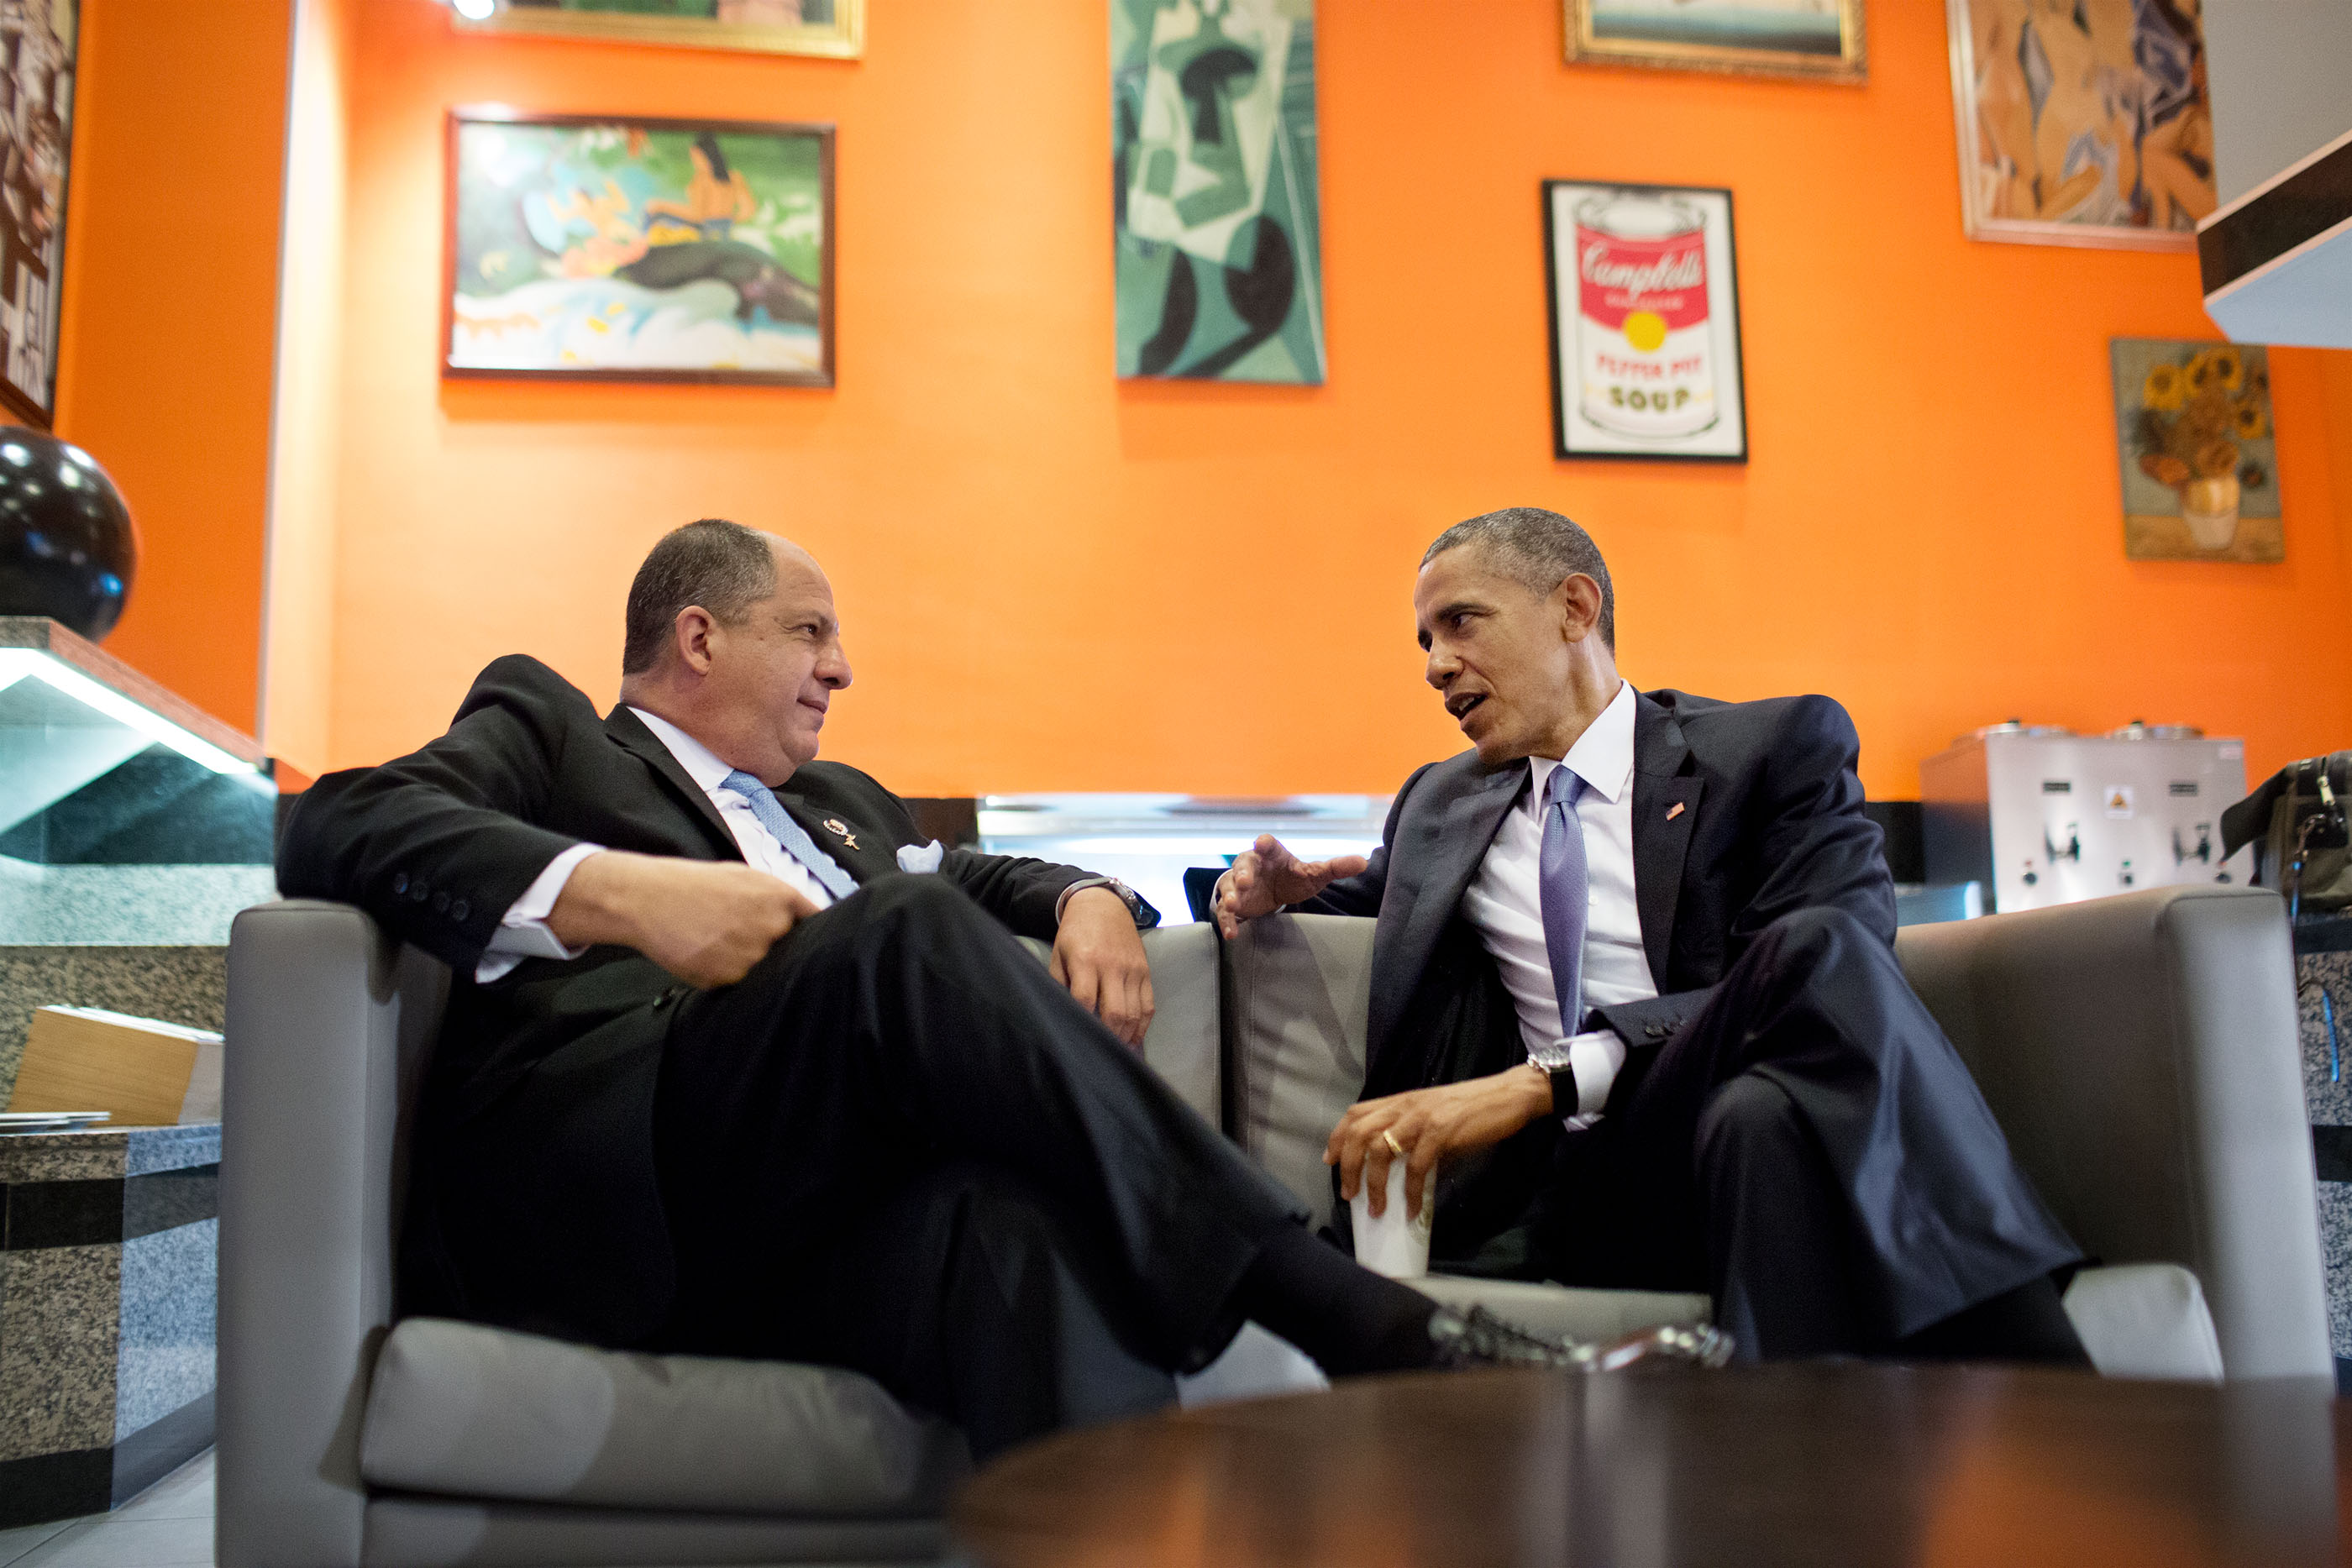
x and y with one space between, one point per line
1644 322
1821 39
2083 124
615 249
39 42
2199 454
832 28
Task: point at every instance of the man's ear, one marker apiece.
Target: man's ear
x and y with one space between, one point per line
690 634
1578 599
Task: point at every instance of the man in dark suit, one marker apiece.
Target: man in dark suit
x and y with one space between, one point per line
735 1062
1634 995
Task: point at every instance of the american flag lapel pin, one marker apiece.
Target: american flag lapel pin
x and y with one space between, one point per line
1674 811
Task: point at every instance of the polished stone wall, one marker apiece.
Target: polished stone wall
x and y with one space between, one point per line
108 1277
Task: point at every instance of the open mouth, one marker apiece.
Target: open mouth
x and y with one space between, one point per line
1460 706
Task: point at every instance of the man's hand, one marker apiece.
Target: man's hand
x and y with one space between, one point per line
707 922
1266 877
1099 955
1429 1124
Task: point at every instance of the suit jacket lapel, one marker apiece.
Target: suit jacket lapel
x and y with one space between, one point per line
1665 808
1454 839
870 854
629 732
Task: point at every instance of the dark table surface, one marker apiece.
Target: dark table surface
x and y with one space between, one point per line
1821 1465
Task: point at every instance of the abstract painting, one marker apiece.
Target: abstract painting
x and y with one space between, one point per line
39 45
834 27
639 249
1218 237
2199 453
1644 322
2082 121
1818 39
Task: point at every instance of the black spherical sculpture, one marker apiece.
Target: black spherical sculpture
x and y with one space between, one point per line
67 547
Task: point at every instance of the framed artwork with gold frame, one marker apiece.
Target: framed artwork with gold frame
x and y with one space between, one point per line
834 28
1817 40
2092 128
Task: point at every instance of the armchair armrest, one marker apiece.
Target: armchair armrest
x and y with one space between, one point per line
328 1023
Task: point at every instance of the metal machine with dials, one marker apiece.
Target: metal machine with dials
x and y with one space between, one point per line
2039 815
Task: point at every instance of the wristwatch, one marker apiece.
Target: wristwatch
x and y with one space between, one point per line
1143 914
1552 1061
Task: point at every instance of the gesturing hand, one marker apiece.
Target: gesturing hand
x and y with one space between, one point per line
1429 1124
1266 877
707 922
1099 955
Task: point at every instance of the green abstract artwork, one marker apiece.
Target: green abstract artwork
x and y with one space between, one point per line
1219 244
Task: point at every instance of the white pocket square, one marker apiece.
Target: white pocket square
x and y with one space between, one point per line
921 857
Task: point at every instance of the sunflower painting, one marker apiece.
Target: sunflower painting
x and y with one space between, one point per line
2200 464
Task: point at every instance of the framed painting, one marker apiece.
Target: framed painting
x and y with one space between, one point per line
2082 121
1644 322
1217 229
831 27
603 248
1819 39
39 46
2199 457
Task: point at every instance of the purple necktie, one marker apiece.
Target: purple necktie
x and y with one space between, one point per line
1567 893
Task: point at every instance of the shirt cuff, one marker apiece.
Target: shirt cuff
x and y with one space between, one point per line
1596 1054
522 931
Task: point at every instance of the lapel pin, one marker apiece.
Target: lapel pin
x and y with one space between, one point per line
1674 812
835 825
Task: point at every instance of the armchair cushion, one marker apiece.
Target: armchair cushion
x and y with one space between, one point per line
464 1410
2144 1320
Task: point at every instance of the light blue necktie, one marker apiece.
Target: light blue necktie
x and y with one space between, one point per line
802 848
1567 892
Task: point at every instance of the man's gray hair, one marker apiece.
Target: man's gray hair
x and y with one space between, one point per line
1539 548
724 567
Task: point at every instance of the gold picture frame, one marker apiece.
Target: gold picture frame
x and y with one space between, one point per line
1739 40
2045 142
843 38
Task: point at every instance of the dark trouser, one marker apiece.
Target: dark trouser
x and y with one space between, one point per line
1809 1149
899 1145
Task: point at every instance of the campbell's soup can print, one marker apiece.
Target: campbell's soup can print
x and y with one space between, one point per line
1644 347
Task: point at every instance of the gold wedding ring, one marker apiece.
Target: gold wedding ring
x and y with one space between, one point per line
1388 1137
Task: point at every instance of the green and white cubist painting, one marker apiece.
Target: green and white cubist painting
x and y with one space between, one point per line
1219 244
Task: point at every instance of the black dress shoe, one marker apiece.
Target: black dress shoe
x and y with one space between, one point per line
1479 1338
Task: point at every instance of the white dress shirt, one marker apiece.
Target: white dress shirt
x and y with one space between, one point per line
1504 904
523 932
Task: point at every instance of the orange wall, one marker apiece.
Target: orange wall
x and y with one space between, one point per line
1053 580
298 634
168 318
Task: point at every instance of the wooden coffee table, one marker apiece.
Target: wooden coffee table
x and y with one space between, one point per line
1821 1465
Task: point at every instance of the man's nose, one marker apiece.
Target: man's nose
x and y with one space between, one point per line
833 667
1442 667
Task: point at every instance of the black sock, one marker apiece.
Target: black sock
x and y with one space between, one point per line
2027 1324
1347 1318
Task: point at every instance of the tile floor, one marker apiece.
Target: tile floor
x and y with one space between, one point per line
169 1525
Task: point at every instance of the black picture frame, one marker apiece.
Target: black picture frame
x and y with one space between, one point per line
1575 434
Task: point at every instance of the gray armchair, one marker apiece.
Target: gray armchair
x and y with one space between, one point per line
2139 1050
345 1439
